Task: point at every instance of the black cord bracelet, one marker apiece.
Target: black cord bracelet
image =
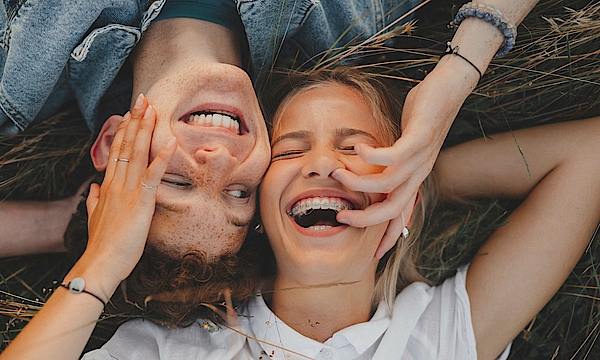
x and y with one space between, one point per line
77 286
454 51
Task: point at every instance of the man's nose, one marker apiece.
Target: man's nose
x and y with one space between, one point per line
217 158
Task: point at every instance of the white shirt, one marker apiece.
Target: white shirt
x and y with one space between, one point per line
427 323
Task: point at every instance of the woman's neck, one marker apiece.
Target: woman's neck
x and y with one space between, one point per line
318 311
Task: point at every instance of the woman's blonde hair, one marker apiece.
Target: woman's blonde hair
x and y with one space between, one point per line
398 268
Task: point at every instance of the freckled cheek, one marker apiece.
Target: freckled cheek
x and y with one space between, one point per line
196 230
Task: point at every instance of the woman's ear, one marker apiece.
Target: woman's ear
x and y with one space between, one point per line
101 148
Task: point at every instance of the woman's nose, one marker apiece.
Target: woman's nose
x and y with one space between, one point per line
321 164
217 158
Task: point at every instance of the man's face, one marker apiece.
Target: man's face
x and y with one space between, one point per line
207 196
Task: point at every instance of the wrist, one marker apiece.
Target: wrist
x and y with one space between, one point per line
454 75
98 275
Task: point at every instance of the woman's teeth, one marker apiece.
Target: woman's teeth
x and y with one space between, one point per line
305 206
320 227
215 119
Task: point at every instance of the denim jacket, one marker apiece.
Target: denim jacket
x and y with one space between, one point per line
302 29
56 51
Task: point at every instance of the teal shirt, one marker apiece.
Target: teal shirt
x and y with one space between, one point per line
222 12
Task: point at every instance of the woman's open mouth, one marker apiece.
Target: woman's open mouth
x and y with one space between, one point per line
318 213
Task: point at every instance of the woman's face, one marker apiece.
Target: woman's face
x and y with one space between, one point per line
299 199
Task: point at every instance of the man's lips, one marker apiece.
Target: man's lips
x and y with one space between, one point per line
227 117
215 119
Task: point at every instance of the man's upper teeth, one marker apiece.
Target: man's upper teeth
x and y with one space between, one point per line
315 203
215 119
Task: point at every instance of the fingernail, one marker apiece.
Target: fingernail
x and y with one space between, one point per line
335 175
171 143
343 220
126 116
148 112
139 102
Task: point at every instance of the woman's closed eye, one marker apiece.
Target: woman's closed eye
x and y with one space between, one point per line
287 154
347 149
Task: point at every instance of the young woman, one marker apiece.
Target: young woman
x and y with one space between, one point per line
339 292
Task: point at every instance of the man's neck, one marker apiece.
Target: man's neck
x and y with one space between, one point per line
171 43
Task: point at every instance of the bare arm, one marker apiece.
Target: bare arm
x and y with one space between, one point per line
525 262
121 212
41 224
33 227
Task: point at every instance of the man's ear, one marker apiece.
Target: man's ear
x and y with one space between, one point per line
101 148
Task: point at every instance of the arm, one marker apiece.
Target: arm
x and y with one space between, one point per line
41 226
121 212
525 262
429 110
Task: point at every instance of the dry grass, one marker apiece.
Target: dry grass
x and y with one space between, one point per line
552 75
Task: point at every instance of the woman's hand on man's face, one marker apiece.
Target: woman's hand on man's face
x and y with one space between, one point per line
120 211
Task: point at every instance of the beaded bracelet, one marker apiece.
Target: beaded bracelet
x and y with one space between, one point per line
492 16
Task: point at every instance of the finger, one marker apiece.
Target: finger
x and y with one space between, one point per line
93 198
382 183
391 236
126 146
374 214
385 156
379 212
159 165
114 149
141 149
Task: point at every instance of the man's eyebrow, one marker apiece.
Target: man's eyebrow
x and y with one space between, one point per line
345 132
237 220
292 135
176 208
232 218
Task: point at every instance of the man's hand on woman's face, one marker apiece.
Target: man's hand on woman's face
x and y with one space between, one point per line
120 211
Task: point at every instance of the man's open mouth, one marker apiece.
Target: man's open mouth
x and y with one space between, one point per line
221 119
318 213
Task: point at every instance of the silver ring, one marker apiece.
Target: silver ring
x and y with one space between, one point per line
149 186
122 159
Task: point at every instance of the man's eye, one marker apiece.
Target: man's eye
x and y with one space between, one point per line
287 155
239 194
175 181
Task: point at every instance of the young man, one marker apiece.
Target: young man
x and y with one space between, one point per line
187 48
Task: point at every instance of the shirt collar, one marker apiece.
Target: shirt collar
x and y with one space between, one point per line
278 340
362 336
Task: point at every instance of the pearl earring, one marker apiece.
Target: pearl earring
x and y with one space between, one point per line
405 231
